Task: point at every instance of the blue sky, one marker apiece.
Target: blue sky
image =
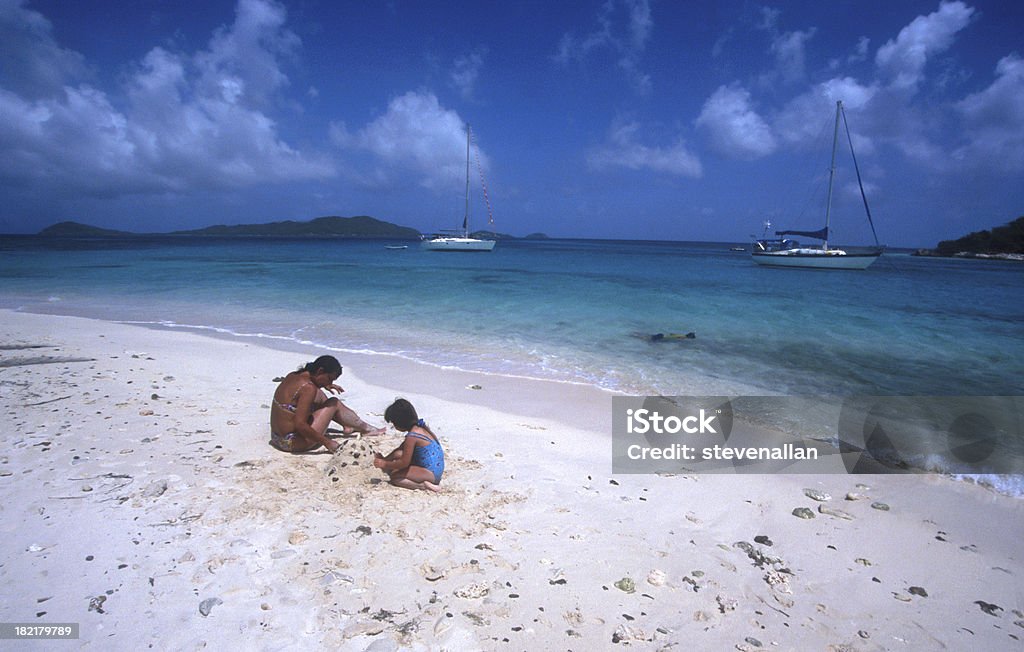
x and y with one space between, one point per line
617 119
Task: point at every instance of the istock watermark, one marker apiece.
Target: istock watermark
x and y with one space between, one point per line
642 421
978 435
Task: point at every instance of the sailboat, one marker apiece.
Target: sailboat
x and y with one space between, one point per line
784 252
460 240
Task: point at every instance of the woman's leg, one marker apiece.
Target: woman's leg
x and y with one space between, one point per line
321 419
295 444
344 416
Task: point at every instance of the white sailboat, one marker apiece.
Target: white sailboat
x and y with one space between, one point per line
784 252
460 240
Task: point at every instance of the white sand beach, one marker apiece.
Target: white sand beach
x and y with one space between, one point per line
140 499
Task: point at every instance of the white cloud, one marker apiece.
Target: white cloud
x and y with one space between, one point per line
799 122
733 127
769 19
52 143
622 150
788 49
903 60
418 135
990 123
248 53
625 36
339 134
186 121
861 53
466 71
34 64
994 120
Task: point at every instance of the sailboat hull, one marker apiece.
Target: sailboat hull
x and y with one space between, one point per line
458 244
815 260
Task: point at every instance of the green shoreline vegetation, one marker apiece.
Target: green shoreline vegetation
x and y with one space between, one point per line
1004 242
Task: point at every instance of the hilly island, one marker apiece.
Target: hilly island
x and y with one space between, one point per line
360 226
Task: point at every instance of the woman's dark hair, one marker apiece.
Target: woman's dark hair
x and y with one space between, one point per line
402 415
326 363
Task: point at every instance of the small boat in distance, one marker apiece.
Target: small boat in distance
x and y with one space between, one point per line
396 247
784 252
461 240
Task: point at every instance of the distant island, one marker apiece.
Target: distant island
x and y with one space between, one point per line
492 235
360 226
1003 243
76 230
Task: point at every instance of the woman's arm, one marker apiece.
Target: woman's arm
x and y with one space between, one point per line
303 417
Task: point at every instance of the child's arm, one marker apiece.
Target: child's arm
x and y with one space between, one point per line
399 459
393 455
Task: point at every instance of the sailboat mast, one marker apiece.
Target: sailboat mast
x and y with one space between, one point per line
832 174
465 219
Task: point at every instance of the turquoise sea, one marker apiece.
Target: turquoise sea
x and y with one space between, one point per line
568 310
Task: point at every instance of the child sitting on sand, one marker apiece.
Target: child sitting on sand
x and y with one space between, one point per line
419 462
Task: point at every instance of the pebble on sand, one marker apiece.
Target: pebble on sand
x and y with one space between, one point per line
837 513
656 577
626 584
819 496
472 591
207 605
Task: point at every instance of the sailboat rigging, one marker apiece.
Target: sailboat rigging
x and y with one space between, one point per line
461 240
784 252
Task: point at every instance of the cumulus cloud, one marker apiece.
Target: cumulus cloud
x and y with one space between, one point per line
184 121
80 144
622 150
625 36
416 135
248 53
733 127
886 110
903 60
994 119
799 122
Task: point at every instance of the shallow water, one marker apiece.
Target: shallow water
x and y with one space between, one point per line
568 310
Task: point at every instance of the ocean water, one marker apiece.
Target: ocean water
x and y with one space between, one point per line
568 310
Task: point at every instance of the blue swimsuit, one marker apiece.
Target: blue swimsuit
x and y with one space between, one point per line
430 457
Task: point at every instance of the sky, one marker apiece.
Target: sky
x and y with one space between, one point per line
626 119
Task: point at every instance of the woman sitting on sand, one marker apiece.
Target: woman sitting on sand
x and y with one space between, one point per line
301 411
419 462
